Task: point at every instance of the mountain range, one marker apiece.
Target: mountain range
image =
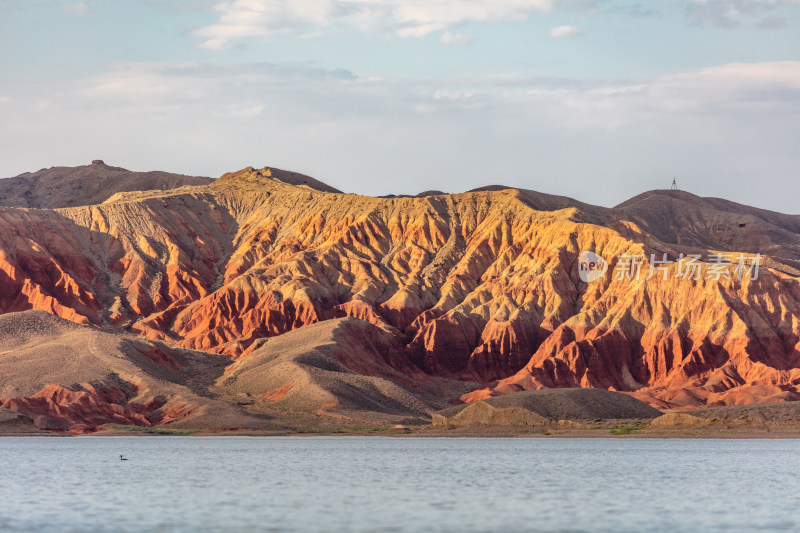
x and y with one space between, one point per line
266 298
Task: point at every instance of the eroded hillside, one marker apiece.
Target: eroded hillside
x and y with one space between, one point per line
479 287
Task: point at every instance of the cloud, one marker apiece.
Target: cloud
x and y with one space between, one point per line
636 10
772 22
80 9
730 13
455 39
242 19
715 128
564 31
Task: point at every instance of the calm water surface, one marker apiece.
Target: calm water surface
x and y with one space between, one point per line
394 484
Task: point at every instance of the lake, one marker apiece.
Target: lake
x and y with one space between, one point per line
397 484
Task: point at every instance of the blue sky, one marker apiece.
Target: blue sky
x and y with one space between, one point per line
597 100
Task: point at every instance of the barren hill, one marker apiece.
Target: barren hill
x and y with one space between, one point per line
570 404
70 377
476 287
543 408
344 365
56 187
679 217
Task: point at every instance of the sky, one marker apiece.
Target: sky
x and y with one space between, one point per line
599 100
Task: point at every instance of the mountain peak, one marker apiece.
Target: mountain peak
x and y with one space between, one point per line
57 187
284 176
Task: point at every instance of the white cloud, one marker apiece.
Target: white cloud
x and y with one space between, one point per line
455 39
759 91
730 13
564 31
240 19
723 125
80 8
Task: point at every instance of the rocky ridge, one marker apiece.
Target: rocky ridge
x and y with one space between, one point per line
475 287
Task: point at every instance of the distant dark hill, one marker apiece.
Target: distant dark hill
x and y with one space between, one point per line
681 218
56 187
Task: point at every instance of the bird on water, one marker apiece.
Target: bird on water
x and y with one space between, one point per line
122 458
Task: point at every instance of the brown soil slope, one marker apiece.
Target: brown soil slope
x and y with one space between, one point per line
477 286
685 219
295 178
344 365
55 187
564 404
765 417
15 424
70 377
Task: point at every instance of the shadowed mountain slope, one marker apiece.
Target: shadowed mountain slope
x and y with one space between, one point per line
56 187
679 217
295 178
15 424
344 365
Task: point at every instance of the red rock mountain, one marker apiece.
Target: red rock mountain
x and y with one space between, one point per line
481 287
